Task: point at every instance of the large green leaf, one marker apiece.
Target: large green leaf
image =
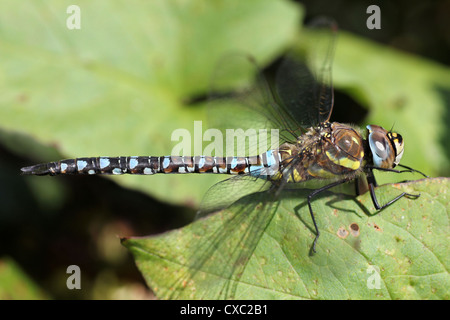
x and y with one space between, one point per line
398 253
121 84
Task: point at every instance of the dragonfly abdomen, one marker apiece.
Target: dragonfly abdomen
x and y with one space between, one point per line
146 165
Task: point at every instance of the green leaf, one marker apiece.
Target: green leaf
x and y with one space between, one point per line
122 83
398 253
15 284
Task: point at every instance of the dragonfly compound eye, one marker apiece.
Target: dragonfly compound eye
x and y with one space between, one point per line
384 153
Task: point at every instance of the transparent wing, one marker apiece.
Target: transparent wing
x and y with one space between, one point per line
304 84
248 108
226 192
222 251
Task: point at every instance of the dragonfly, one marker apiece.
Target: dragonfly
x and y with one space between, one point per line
310 147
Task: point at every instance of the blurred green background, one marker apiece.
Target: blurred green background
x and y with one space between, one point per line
135 72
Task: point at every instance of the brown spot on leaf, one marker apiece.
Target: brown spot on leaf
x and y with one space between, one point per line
354 229
377 228
342 233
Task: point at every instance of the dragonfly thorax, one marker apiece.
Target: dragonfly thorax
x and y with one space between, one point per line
313 135
386 147
328 151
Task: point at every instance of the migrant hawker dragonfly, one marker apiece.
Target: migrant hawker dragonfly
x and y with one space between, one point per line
300 104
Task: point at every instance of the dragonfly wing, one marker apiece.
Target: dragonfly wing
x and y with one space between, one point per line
248 104
304 80
296 90
219 254
226 192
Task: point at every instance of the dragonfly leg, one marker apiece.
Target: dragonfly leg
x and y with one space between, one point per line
313 194
408 169
373 184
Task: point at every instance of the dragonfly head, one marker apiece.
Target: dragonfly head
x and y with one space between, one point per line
386 147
